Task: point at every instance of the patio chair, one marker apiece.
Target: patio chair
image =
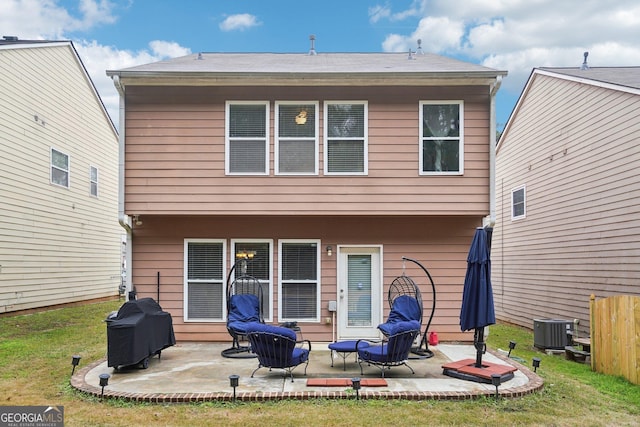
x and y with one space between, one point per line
394 349
276 347
244 306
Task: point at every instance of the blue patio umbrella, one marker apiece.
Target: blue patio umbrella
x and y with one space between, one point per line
477 309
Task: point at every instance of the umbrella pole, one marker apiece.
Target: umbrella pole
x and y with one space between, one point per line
478 342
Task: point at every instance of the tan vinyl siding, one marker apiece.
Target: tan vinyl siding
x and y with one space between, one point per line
57 245
440 244
575 148
175 160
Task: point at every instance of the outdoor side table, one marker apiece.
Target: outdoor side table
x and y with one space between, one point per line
344 348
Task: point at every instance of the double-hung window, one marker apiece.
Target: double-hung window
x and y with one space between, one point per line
259 265
59 168
204 296
247 138
299 270
441 137
345 138
518 203
93 181
296 131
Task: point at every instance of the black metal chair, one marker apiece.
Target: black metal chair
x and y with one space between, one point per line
394 349
276 347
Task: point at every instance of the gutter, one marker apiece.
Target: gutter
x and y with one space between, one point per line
123 219
491 220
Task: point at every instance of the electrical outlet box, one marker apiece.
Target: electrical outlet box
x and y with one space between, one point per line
333 306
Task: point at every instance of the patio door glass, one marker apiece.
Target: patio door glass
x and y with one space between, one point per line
359 293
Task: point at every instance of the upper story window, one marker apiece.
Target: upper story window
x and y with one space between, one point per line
518 203
93 181
247 138
296 132
441 138
59 168
345 138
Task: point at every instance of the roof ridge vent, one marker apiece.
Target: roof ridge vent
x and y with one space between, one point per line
585 66
312 51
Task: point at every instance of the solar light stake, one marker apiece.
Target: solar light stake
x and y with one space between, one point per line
355 383
512 345
536 364
234 381
104 381
496 379
75 361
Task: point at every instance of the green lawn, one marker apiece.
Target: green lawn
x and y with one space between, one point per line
35 365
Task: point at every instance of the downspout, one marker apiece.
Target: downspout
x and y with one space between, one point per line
491 220
123 219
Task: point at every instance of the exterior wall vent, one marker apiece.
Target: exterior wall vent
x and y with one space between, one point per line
552 333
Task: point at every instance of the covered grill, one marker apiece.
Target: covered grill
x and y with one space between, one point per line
139 330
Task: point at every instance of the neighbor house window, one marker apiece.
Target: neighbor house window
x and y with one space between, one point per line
518 203
441 139
204 296
345 138
259 266
247 138
296 138
299 269
93 181
59 168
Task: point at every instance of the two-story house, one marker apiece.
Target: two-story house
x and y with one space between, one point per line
330 167
60 241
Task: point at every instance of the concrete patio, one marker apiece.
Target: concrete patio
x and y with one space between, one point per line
196 372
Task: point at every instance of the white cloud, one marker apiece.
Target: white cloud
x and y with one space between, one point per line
98 58
239 22
518 35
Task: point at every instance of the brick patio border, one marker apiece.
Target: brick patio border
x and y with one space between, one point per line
78 382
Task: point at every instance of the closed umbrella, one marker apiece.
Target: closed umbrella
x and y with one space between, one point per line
477 309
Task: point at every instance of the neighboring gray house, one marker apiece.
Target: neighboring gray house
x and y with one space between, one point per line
60 241
568 195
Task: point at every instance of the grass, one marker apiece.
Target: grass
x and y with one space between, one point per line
35 365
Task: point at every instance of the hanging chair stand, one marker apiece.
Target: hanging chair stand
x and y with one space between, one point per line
423 349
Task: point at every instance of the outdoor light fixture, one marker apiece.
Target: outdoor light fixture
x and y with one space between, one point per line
136 220
536 364
355 383
496 379
329 251
104 381
75 361
512 345
234 381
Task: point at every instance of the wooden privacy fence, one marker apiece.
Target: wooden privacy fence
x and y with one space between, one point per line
615 336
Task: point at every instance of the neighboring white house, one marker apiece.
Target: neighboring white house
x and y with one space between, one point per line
568 195
60 240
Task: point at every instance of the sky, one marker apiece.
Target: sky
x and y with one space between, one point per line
510 35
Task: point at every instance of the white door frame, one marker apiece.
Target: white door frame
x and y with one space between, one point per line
344 331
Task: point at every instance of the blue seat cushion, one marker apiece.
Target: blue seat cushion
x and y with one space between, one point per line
399 326
243 308
278 330
347 346
404 308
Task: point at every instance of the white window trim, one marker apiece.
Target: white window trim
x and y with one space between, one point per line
97 181
316 104
365 136
227 137
185 278
51 167
267 316
318 280
524 202
460 137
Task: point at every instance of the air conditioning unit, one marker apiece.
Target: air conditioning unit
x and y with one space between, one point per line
552 334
